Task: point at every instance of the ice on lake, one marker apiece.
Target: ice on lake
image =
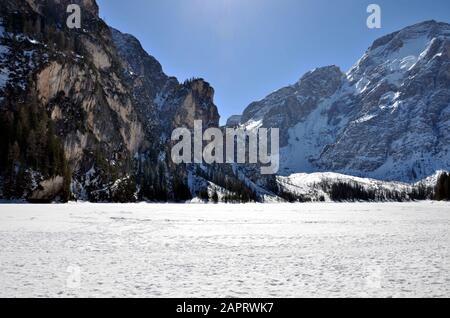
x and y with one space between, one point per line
144 250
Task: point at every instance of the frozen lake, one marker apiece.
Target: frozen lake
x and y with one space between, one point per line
309 250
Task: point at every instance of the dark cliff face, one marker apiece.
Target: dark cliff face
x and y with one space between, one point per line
74 78
163 103
93 96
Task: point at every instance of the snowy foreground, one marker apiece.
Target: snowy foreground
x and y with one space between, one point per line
309 250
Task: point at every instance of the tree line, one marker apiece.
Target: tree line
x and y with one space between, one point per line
235 190
350 191
30 149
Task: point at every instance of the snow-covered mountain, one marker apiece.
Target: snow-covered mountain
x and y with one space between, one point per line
387 118
87 114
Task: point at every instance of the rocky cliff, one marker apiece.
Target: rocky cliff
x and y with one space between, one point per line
93 106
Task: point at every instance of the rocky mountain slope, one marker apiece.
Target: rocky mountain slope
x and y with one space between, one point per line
87 113
388 118
66 86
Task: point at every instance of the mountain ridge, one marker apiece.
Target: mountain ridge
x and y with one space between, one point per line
333 128
88 115
106 131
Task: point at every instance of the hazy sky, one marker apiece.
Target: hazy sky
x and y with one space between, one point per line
248 48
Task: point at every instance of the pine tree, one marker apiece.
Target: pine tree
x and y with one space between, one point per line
67 180
181 191
203 195
14 156
442 190
10 188
215 197
448 187
439 191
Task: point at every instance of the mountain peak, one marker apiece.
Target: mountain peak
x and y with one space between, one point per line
430 28
384 120
331 71
324 69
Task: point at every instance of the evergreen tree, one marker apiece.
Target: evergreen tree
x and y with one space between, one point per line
181 191
442 190
67 177
215 197
203 195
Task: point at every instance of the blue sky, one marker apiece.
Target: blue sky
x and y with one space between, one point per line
248 48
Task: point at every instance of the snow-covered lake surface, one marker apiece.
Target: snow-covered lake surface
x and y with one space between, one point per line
309 250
